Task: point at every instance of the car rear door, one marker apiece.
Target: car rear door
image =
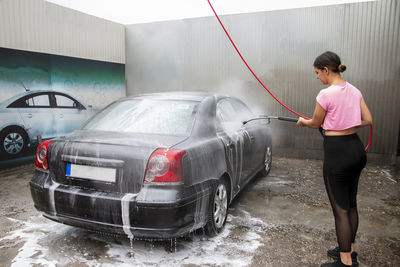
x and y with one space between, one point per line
236 140
69 113
255 132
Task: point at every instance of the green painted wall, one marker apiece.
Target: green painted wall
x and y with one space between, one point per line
93 82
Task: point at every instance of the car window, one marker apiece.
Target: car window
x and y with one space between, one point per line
173 117
227 119
226 111
38 101
64 102
242 111
231 114
35 101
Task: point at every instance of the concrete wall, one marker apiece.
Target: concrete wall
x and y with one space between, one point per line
195 55
40 26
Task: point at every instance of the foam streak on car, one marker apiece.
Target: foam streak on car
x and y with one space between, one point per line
152 166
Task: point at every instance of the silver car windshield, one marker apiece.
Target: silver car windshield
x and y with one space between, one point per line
171 117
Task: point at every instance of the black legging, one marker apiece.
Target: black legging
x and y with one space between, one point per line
344 159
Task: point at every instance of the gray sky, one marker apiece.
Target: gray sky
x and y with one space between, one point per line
134 11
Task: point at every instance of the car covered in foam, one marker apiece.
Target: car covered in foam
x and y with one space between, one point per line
153 166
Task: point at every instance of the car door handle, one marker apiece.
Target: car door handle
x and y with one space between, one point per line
61 116
29 115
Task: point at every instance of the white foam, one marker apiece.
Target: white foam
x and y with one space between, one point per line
126 214
52 189
47 243
388 175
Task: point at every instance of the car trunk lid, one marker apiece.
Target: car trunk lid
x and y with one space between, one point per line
106 161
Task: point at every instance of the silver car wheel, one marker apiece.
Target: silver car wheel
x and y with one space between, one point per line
13 143
220 205
268 159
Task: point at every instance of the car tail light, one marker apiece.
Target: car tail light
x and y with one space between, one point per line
41 155
164 166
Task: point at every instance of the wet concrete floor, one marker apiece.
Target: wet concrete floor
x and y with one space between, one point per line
283 219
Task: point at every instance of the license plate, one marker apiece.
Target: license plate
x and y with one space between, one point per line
91 173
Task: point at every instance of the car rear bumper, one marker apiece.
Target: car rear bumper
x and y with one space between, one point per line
155 212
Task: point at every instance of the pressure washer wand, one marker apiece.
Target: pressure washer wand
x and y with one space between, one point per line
273 118
321 130
288 119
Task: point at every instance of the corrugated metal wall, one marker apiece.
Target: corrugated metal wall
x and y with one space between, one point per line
40 26
194 54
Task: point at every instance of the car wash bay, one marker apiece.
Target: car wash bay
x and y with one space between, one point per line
280 220
283 219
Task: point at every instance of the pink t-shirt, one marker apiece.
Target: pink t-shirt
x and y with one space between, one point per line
342 103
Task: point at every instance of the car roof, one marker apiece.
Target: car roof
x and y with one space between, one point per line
178 95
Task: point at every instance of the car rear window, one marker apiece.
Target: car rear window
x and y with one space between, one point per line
172 117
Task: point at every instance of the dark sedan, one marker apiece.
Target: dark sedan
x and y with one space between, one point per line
153 166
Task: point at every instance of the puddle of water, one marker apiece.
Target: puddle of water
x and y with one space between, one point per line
273 180
388 175
47 243
381 173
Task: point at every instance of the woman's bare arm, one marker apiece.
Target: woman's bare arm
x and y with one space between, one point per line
317 118
366 117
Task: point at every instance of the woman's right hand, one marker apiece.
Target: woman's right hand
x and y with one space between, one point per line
300 122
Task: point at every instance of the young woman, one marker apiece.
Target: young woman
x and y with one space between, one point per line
340 109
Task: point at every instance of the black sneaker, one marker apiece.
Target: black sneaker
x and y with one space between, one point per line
335 254
337 263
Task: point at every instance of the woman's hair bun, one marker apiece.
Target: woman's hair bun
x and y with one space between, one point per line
330 60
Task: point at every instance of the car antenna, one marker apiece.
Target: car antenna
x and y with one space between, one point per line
26 88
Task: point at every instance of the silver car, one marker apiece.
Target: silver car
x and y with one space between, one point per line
47 113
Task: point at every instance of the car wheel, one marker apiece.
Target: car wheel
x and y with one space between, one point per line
13 141
267 162
218 209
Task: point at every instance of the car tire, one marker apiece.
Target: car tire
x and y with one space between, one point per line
218 209
267 162
13 141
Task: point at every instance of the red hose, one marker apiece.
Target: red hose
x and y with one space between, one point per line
370 138
263 85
